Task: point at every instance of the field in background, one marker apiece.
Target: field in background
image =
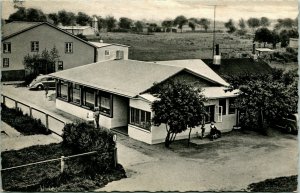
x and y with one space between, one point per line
171 46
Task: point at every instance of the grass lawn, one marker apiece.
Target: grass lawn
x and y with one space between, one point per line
171 46
281 184
46 176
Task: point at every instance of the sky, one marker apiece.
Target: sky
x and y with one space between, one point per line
166 9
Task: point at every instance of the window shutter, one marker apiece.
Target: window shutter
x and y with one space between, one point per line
218 113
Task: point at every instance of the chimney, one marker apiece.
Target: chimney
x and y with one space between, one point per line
95 23
217 57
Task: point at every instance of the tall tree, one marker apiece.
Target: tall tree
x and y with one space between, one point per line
110 22
125 23
19 15
242 24
54 17
167 24
83 19
180 106
180 21
263 35
139 26
192 25
204 22
285 35
265 22
66 18
266 98
253 23
31 14
285 23
230 26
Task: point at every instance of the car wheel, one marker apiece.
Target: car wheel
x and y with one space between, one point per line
40 87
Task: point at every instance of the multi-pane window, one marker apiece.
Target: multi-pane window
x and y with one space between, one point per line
69 47
231 107
62 90
6 47
5 63
104 101
222 103
75 93
88 98
35 46
210 113
140 118
60 65
107 53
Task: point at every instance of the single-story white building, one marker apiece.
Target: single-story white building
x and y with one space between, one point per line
119 88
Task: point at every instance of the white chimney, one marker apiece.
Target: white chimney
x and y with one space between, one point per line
217 57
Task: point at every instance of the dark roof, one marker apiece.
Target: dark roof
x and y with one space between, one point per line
17 27
239 66
123 77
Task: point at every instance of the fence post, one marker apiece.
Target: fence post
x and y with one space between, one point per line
115 156
47 121
62 164
30 111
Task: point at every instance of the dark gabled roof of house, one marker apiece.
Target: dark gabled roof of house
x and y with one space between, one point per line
17 27
239 66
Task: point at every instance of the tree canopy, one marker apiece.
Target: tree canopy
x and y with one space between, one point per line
180 106
253 23
204 22
83 19
230 26
263 35
265 22
110 22
265 98
66 18
180 21
125 23
31 14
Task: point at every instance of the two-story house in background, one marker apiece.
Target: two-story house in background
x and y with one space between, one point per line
22 38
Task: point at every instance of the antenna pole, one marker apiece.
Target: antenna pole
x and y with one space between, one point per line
214 32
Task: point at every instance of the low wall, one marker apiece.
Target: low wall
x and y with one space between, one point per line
13 75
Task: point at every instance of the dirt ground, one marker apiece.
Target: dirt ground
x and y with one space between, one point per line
229 164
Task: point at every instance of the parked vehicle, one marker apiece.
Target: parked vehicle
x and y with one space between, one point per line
289 124
41 82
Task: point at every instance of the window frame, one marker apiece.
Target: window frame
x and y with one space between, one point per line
8 46
35 46
60 63
59 84
5 63
103 110
84 103
67 49
136 118
231 110
72 88
107 51
208 118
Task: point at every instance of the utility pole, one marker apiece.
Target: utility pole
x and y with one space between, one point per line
214 32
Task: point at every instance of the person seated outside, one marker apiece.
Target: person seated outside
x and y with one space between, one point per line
214 132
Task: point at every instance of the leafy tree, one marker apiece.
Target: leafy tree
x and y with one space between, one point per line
192 25
83 19
285 23
180 21
139 26
180 106
125 23
31 14
285 35
263 35
230 26
265 22
54 17
152 27
204 22
66 18
110 22
242 24
253 23
167 24
265 98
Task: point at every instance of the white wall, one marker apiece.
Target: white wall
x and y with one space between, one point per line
158 134
113 50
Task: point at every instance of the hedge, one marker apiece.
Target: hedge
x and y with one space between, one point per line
24 124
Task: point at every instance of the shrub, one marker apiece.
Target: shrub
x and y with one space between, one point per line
22 123
82 137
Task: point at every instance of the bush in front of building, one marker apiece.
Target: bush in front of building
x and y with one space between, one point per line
23 123
82 137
